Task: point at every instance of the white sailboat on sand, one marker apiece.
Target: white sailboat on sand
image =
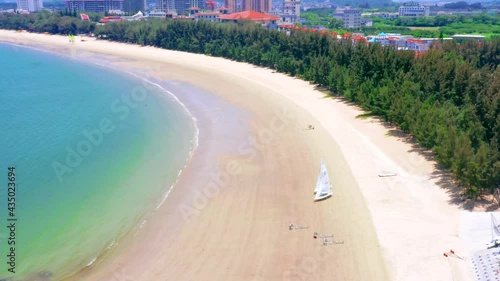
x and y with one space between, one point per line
323 188
495 233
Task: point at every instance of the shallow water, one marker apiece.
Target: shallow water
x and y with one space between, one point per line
94 151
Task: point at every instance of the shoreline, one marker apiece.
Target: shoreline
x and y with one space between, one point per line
411 216
165 96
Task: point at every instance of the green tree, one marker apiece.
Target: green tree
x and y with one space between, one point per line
335 24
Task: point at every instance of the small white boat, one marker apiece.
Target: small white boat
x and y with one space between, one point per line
384 174
323 188
495 233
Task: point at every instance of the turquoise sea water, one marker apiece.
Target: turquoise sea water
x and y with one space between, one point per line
94 150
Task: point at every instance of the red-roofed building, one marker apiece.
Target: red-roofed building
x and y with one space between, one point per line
211 5
107 19
84 17
359 38
417 45
193 10
265 20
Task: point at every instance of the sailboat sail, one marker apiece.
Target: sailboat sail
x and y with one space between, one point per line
318 185
323 187
320 182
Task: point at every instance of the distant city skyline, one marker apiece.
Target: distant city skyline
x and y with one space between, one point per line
180 6
30 5
263 6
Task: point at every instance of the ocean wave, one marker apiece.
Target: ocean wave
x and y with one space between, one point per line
91 262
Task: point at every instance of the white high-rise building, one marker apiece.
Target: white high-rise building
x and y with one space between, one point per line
413 9
30 5
165 5
291 11
350 17
179 6
96 6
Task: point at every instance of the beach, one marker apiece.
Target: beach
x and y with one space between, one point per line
254 172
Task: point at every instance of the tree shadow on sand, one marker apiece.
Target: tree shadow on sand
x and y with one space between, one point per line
441 176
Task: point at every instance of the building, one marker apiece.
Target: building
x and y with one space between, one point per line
350 17
108 19
366 22
116 12
413 9
266 20
164 6
160 14
211 5
193 10
460 38
183 6
96 6
84 17
179 6
417 45
358 38
291 11
30 5
209 16
134 6
263 6
231 5
157 14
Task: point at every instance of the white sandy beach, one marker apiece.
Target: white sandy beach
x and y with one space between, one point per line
239 201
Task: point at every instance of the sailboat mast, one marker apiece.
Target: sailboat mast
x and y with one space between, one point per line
495 227
492 227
